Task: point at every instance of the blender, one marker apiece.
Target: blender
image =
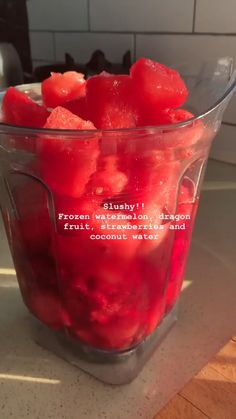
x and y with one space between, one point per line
104 296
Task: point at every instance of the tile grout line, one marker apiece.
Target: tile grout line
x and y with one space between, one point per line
192 404
194 15
229 124
216 34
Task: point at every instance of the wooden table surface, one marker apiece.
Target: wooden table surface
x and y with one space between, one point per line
211 393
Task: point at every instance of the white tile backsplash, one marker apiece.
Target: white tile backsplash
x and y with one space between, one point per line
224 145
81 26
56 15
172 49
216 16
81 45
142 16
42 46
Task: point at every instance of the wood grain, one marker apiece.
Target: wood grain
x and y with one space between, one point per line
179 408
211 393
225 361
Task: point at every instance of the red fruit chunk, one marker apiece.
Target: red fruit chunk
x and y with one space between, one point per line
125 248
174 116
111 101
183 138
61 118
109 180
77 248
31 203
119 333
158 85
154 116
78 107
61 88
19 109
187 205
68 164
152 178
73 207
157 238
46 307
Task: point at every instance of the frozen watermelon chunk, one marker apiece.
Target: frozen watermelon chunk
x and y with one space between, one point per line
111 101
61 118
111 296
103 240
61 88
157 238
19 109
120 332
68 164
154 116
31 203
152 177
158 85
46 306
183 138
108 180
78 107
187 205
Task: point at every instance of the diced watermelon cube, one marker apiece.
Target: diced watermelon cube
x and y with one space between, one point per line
154 116
152 177
78 107
120 332
19 109
111 101
158 85
61 88
108 180
46 306
183 139
61 118
68 164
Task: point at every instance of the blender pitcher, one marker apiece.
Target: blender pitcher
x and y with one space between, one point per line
99 225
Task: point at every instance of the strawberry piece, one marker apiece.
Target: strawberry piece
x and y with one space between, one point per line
19 109
158 85
61 88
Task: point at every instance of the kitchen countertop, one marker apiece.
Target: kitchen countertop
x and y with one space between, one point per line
35 384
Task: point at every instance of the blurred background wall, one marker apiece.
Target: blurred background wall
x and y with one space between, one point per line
167 30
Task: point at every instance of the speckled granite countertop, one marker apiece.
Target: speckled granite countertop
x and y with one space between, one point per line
36 384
